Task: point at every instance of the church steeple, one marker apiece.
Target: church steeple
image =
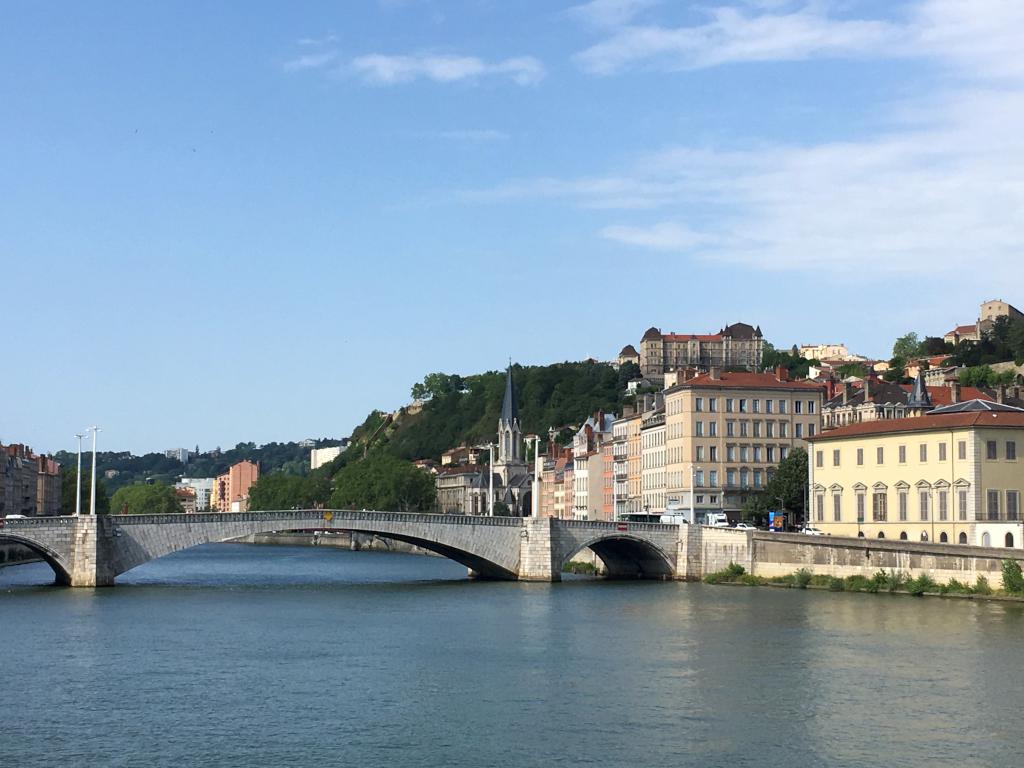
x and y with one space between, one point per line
510 436
919 397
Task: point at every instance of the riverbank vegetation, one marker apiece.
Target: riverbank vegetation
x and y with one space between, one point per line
893 582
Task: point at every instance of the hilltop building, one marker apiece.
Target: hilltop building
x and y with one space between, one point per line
988 313
734 346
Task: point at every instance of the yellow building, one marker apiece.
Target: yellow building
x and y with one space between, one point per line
727 431
627 455
952 476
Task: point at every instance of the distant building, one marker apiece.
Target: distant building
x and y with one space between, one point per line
464 454
652 460
629 355
202 487
179 454
827 352
988 313
592 450
187 499
320 456
29 484
734 346
307 443
231 490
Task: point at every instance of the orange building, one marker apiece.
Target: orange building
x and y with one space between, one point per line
231 490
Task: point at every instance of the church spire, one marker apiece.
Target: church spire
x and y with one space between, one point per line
509 407
919 397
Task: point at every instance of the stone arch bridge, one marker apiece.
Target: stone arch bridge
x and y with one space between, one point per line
90 551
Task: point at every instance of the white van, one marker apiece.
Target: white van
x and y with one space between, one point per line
716 519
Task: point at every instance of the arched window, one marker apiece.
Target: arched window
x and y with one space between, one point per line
881 535
1009 541
860 534
924 535
943 538
963 538
903 535
986 540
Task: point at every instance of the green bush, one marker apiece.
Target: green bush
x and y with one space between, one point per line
891 581
858 584
578 566
735 570
920 585
730 574
819 580
955 587
789 579
753 581
803 578
1013 580
835 584
982 587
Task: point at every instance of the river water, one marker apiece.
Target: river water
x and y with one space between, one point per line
235 655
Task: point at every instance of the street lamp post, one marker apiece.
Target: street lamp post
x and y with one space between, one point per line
490 480
78 479
693 492
535 496
92 487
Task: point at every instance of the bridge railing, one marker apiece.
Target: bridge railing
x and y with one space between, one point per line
611 525
30 522
337 518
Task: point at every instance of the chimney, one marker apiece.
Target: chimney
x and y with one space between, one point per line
782 373
846 392
1001 393
715 372
954 395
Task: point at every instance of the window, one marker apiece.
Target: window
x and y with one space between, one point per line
962 504
768 405
730 477
837 507
699 427
757 429
835 458
991 451
963 538
943 538
728 405
986 540
798 430
744 478
943 505
993 505
713 404
903 506
757 405
860 506
924 497
810 406
713 476
757 478
730 453
1011 450
713 429
713 453
744 453
923 452
1009 541
730 429
798 406
903 454
782 406
961 450
770 454
783 452
819 459
942 451
819 507
810 430
698 404
700 453
782 429
1012 505
879 455
879 506
769 429
757 453
860 457
699 477
743 405
744 428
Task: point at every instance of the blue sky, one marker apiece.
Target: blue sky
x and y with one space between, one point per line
242 221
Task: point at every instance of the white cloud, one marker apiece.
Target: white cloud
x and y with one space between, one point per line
939 193
314 42
609 13
391 70
309 61
733 35
474 134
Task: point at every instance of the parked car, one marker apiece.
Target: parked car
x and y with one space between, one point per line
809 531
745 527
15 517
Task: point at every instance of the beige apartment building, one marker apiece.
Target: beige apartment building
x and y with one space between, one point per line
626 455
652 461
954 475
726 432
738 345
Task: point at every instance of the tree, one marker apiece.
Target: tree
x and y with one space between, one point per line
155 499
852 369
436 385
907 347
896 373
68 481
984 376
283 491
789 484
383 482
935 345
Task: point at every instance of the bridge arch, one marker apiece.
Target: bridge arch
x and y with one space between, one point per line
625 555
61 571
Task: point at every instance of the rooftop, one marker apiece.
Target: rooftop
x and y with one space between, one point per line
929 423
744 380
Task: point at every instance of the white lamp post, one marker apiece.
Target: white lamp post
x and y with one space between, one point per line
693 492
535 494
490 480
92 488
78 479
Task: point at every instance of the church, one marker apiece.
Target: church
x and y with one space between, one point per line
466 490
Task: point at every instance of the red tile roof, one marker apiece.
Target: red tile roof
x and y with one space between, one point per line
963 329
944 395
745 380
945 421
692 337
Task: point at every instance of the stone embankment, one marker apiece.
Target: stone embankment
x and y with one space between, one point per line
15 554
355 542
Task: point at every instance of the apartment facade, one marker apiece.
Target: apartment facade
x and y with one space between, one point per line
203 488
652 461
231 490
726 432
29 484
948 477
626 454
738 345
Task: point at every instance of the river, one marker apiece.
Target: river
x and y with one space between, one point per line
244 656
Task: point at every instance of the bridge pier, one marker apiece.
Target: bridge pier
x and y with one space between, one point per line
538 559
89 557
